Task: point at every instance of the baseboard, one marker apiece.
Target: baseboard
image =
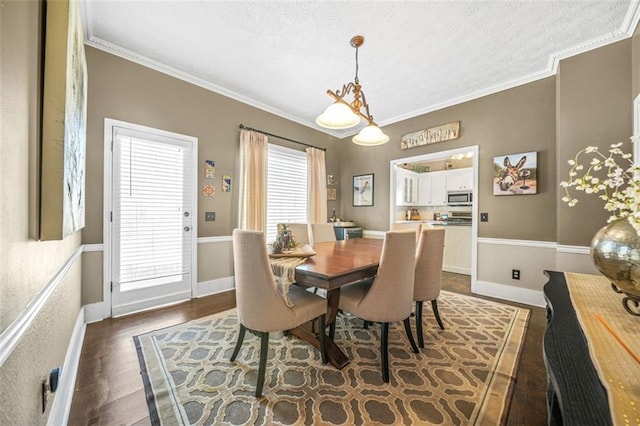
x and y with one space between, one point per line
373 234
456 269
61 406
510 293
207 288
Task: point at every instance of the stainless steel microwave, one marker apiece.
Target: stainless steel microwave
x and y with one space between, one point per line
459 198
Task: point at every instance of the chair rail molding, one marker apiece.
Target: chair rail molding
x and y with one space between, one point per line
12 335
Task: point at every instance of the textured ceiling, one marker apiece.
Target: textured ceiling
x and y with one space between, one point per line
417 56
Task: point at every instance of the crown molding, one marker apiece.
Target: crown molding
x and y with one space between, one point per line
626 30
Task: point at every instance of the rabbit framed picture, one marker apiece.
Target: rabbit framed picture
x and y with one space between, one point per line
515 174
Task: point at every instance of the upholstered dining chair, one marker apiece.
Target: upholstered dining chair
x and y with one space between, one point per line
300 232
322 232
388 297
261 307
413 226
428 275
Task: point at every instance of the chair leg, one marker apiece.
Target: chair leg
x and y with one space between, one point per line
434 305
419 323
384 351
407 328
365 324
323 345
264 350
332 329
238 343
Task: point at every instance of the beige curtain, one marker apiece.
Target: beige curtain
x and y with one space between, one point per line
317 186
253 181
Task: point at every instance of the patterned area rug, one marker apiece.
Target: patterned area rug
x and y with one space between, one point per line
463 376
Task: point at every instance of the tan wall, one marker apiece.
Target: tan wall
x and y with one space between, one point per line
125 91
513 121
212 258
594 99
92 277
27 265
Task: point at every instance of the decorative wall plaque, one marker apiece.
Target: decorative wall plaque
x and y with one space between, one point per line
442 133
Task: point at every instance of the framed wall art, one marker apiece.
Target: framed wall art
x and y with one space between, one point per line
331 194
226 183
363 190
64 122
515 174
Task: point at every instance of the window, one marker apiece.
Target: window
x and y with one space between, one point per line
286 188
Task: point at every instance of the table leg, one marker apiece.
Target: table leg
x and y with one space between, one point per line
336 357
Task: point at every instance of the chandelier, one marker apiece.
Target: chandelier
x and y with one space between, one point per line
343 115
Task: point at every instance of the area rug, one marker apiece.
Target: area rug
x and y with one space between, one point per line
463 376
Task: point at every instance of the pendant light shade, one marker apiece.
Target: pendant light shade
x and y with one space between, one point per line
338 115
370 136
343 115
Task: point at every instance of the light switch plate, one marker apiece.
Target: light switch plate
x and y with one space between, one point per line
209 216
484 217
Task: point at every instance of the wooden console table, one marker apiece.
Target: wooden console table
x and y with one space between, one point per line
575 394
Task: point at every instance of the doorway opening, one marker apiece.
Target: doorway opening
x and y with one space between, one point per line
409 201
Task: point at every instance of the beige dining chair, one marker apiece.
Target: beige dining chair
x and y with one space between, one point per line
300 232
404 226
260 306
428 275
322 232
388 298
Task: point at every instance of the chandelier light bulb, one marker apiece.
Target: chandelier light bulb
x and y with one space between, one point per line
370 136
338 115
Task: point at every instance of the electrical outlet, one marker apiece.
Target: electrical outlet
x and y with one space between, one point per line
209 216
484 217
515 274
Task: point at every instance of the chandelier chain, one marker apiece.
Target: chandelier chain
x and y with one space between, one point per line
356 79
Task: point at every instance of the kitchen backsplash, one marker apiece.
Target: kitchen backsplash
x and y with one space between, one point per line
426 213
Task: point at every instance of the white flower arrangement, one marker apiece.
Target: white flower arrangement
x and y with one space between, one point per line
614 178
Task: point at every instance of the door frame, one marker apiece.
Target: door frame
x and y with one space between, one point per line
474 205
107 204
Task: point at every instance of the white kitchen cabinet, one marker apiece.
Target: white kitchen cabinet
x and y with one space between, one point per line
407 183
433 190
457 249
460 180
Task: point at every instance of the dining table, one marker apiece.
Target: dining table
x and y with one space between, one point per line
335 265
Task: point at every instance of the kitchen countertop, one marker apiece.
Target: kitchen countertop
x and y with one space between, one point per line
434 222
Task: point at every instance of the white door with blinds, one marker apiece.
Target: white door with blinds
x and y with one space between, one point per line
152 223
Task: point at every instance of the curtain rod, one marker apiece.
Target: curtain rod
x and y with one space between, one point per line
242 126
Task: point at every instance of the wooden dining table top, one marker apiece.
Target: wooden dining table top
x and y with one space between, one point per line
341 262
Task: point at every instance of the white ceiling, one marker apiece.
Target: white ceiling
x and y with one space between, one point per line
418 56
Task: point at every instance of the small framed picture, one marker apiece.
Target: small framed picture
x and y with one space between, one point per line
363 190
331 194
515 174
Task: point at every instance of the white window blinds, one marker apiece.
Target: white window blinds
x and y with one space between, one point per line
286 188
150 200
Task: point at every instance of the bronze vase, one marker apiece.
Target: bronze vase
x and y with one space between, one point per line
615 250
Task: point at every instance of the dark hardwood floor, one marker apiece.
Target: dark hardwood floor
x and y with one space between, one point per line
109 388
